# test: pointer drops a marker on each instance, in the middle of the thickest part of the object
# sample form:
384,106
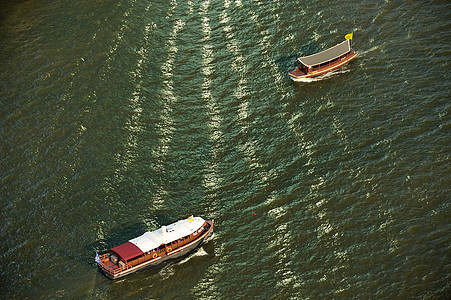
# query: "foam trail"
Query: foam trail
322,77
197,253
374,48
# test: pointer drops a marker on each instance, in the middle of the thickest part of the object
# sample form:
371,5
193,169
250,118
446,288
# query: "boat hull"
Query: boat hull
177,253
296,74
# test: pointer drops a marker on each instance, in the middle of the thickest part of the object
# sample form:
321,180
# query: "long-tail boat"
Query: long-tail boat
324,61
152,248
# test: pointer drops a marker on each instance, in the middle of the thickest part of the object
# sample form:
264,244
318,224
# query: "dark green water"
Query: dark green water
118,117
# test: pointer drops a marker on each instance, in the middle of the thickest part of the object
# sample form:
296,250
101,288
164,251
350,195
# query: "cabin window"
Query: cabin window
195,232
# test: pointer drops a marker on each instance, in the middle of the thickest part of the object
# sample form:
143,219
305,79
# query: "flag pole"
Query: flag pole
349,37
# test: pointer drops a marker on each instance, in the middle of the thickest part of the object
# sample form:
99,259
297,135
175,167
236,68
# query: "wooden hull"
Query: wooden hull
176,253
297,74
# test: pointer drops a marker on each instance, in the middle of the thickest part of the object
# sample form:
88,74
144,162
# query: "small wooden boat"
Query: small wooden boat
324,61
153,248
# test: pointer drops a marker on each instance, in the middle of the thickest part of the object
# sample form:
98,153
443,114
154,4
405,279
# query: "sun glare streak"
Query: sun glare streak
112,49
190,7
340,132
304,145
239,66
118,39
212,179
167,126
289,277
325,229
133,125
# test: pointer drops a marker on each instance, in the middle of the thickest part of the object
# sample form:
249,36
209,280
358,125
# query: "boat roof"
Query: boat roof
326,55
127,251
164,235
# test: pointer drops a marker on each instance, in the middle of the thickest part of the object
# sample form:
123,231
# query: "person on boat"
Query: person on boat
304,69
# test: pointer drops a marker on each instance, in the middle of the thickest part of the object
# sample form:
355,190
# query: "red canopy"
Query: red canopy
127,251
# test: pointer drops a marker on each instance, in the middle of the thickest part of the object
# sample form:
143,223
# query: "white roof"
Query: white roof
167,234
326,55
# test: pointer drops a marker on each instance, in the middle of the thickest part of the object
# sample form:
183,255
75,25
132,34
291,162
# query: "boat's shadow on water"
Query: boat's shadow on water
122,233
190,267
288,62
164,269
117,236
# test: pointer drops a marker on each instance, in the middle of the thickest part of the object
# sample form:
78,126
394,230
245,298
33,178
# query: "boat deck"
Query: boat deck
174,250
297,72
324,68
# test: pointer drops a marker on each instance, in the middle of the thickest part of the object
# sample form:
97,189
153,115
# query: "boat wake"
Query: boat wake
321,77
209,238
369,50
198,252
167,271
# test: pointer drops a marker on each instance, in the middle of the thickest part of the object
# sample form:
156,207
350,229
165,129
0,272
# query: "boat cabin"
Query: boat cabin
324,61
151,247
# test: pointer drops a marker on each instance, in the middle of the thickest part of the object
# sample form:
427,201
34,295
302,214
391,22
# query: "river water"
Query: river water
119,117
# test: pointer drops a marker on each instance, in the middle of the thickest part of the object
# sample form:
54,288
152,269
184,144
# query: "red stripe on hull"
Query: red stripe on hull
297,74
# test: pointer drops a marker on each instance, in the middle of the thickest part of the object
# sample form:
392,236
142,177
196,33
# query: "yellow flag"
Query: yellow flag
349,36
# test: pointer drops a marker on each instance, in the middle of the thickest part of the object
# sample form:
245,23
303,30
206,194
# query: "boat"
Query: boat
153,248
324,61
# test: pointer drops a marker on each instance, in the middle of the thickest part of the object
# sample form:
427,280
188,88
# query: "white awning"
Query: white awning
326,55
167,234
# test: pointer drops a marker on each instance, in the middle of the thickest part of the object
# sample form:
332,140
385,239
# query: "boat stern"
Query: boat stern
296,73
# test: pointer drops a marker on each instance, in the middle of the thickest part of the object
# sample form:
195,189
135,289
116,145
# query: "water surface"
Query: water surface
119,117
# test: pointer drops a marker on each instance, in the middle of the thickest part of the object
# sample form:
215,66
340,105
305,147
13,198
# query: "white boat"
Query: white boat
152,248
